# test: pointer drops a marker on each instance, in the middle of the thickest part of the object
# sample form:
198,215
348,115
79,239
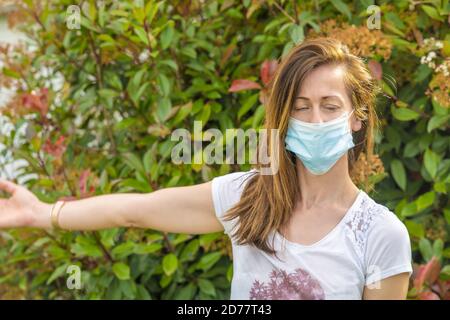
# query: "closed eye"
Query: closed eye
331,107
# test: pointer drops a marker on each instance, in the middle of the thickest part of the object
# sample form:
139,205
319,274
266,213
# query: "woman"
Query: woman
305,232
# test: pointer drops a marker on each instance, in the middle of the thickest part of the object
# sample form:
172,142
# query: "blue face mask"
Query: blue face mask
319,145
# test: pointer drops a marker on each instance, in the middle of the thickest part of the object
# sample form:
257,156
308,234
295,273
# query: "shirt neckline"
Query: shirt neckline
349,211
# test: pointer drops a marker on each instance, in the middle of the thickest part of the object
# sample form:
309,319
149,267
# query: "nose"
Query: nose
316,117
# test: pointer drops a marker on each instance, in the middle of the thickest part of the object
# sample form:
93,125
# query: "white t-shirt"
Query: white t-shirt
370,243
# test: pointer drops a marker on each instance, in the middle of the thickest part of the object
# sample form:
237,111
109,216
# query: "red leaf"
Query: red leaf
263,96
55,149
82,181
376,69
428,295
37,102
227,54
268,69
427,273
243,84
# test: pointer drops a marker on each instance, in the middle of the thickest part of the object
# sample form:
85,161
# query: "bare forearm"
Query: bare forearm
178,209
94,213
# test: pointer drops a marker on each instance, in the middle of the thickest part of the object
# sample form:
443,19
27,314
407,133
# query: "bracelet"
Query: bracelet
55,214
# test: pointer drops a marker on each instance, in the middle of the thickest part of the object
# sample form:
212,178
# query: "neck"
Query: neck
330,187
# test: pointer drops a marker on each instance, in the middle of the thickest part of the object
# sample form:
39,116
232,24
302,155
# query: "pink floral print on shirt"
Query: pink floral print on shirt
298,285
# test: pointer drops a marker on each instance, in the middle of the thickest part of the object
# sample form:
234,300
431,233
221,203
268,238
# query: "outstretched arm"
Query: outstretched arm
180,209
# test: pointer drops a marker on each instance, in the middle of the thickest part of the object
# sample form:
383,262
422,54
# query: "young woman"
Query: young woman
305,232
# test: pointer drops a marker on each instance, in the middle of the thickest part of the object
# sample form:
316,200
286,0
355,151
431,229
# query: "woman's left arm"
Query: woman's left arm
391,288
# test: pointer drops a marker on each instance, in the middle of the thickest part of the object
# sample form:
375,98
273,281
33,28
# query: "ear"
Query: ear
356,124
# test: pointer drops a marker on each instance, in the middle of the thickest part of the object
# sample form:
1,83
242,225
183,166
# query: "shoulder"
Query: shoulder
373,225
234,179
387,247
227,189
385,223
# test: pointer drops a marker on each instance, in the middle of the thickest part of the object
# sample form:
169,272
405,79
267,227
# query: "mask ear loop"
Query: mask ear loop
350,114
349,127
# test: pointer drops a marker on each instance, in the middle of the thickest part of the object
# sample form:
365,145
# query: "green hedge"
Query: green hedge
135,71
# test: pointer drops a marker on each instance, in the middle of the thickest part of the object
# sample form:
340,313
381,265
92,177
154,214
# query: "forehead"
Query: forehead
324,81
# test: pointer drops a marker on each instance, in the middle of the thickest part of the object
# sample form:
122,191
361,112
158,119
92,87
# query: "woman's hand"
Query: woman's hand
22,208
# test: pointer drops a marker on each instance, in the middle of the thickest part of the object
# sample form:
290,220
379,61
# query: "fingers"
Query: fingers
7,186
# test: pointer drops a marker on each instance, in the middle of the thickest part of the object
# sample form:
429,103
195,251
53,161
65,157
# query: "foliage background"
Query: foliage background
95,107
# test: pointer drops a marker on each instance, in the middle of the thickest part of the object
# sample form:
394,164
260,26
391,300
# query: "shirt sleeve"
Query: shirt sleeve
388,250
226,193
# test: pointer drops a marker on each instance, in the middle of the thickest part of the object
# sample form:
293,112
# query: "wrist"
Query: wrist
42,215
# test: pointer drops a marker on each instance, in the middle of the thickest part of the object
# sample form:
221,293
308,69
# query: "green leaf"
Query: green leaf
163,109
139,14
186,293
447,215
432,12
10,73
121,270
167,37
151,8
143,248
415,229
387,88
438,248
207,287
207,261
398,173
123,250
164,84
204,115
134,162
425,200
230,273
409,210
297,34
437,121
85,246
170,63
404,114
182,113
189,52
422,72
445,272
426,249
248,104
136,185
431,162
439,187
170,264
128,288
411,149
142,34
438,108
57,273
258,116
189,252
342,7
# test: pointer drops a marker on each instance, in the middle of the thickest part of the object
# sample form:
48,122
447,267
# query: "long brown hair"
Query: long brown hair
267,201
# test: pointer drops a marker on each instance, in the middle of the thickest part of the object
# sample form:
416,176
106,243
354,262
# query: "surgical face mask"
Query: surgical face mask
319,145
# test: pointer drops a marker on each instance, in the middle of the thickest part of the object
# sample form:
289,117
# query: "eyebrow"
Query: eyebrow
323,98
